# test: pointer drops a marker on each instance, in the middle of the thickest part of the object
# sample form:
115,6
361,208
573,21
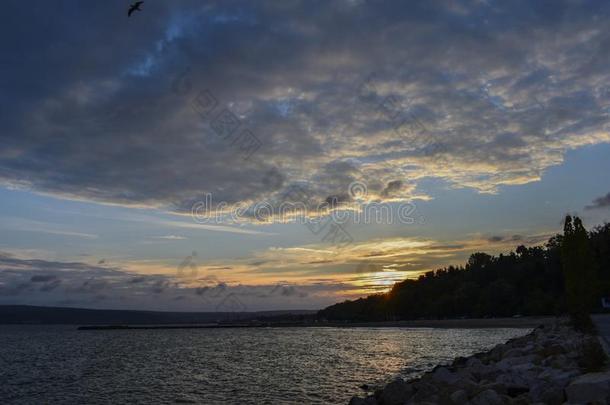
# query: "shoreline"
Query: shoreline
470,323
552,364
475,323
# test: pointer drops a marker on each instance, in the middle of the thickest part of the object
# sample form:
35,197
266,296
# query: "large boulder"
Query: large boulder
459,362
444,376
425,392
515,391
512,379
509,363
516,352
547,393
474,363
363,401
561,361
540,368
497,352
396,393
592,387
558,377
479,371
465,379
487,397
551,349
459,397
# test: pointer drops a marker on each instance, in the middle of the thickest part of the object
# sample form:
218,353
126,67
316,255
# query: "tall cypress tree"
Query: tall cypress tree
579,272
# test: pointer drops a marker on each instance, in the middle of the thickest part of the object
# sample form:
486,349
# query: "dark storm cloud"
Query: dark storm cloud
287,291
162,285
42,278
66,278
136,280
392,188
600,202
50,286
501,238
99,107
41,282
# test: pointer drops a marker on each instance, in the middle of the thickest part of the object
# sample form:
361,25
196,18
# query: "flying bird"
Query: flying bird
135,6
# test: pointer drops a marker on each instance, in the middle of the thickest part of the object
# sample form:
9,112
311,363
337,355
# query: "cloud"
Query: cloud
171,237
479,94
136,280
600,202
297,277
42,278
50,286
27,225
391,188
368,266
42,282
208,227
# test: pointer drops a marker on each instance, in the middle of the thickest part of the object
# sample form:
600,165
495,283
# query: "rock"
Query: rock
473,362
424,392
459,397
489,376
526,368
443,375
370,401
482,356
514,391
499,389
487,397
363,401
560,361
512,380
514,353
539,368
589,388
522,400
433,400
377,393
550,394
558,377
510,362
480,371
551,350
495,354
459,362
396,393
465,378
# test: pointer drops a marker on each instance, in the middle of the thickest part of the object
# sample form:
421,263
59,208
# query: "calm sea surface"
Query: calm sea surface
59,364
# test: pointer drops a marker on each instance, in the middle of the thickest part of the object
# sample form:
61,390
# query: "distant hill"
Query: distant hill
24,314
528,281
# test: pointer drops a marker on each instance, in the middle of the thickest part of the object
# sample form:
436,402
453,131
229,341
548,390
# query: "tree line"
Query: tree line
567,275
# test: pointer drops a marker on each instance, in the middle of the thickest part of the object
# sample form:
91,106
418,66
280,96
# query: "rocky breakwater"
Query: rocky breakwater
551,365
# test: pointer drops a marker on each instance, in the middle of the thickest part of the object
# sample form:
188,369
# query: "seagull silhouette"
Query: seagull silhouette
135,6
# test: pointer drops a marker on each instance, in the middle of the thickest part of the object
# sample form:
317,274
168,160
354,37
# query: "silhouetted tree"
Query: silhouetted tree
529,281
579,272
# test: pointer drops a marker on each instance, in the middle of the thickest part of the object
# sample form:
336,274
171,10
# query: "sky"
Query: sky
242,156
